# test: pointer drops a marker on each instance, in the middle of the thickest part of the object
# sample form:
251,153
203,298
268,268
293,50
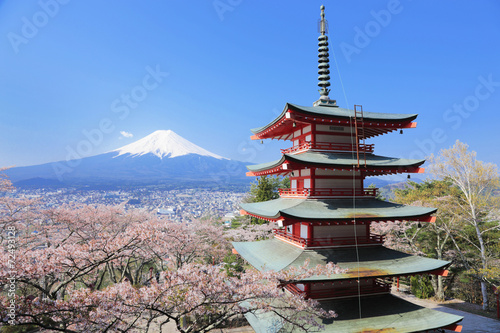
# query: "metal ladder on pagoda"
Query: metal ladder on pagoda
359,128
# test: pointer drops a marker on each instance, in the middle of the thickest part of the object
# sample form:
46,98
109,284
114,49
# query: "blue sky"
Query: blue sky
75,74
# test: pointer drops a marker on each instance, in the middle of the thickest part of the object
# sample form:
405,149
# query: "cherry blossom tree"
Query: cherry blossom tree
398,235
251,232
198,298
81,268
13,209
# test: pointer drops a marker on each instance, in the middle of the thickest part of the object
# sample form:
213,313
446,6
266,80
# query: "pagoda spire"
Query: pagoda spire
323,66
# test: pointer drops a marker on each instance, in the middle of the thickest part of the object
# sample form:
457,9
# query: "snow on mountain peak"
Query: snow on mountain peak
164,143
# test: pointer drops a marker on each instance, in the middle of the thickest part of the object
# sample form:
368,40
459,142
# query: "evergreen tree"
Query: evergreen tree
266,188
379,195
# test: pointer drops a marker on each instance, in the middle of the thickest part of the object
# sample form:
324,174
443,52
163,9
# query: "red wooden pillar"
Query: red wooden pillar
307,289
300,182
398,285
313,134
296,229
310,234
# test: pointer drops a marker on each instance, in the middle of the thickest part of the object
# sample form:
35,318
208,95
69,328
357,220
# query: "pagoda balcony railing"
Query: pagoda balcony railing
328,192
371,239
342,291
329,146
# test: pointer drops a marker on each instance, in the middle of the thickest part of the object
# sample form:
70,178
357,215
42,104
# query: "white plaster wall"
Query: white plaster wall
303,231
305,172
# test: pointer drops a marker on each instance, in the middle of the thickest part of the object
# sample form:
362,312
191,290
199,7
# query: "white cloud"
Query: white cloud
126,134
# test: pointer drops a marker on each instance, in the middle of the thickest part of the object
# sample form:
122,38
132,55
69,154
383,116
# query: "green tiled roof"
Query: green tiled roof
335,209
382,313
374,261
325,111
340,160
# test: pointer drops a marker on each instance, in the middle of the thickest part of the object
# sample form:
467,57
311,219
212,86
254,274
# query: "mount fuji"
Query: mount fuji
164,144
163,157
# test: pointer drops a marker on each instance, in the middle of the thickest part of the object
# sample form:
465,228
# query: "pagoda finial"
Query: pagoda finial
323,66
323,21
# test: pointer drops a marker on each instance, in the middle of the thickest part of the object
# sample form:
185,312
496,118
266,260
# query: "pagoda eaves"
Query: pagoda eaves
293,116
380,313
336,210
372,164
375,262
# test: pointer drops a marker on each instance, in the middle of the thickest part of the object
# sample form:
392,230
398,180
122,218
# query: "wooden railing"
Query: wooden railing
376,288
329,146
327,192
328,241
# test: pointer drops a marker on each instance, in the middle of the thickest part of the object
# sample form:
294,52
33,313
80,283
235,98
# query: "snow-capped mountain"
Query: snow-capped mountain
164,144
159,158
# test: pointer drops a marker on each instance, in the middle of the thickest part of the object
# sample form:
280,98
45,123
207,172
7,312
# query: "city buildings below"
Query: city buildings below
181,205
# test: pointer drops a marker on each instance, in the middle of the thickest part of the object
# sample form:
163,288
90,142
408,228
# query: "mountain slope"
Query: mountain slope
164,144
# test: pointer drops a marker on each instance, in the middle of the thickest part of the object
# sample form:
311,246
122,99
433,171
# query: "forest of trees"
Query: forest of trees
81,268
467,230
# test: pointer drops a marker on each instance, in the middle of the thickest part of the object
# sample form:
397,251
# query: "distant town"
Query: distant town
180,205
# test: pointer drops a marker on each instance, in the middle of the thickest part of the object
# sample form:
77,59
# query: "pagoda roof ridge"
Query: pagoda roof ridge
374,262
338,112
364,208
346,113
338,160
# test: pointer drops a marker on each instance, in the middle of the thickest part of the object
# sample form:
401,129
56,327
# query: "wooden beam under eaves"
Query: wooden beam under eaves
440,272
454,328
430,219
410,125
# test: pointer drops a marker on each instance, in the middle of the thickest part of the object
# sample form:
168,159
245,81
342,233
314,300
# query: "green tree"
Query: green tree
233,264
432,239
266,188
473,208
379,195
421,286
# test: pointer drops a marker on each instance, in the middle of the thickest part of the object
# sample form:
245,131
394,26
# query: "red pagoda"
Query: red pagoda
326,214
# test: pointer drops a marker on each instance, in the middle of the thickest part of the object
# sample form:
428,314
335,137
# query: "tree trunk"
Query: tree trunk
437,284
439,251
440,289
484,290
